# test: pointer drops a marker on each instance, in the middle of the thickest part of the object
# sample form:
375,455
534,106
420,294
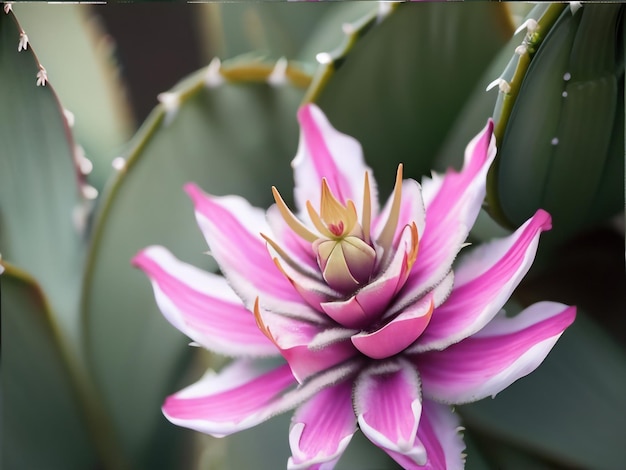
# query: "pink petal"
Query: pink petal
452,205
488,362
439,432
411,210
484,281
231,227
300,344
244,394
398,334
322,428
388,408
202,305
241,396
324,152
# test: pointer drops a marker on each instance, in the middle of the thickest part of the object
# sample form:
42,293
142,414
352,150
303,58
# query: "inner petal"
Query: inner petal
398,334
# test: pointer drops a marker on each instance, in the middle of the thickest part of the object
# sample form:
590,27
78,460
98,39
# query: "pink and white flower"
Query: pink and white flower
373,325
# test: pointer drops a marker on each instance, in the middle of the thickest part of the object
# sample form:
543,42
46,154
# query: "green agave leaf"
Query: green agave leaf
402,76
329,29
88,84
571,410
41,203
42,425
274,29
563,131
236,137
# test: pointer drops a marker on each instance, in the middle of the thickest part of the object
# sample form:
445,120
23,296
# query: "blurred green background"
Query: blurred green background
87,357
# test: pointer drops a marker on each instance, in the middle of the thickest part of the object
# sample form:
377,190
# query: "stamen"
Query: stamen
259,322
291,220
366,216
282,253
331,210
412,254
385,239
317,221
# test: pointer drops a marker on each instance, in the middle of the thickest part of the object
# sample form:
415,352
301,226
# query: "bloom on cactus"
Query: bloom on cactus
371,324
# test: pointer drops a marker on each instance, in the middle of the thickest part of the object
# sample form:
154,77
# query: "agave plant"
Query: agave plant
89,359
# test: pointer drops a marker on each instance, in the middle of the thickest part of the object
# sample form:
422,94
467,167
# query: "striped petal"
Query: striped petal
439,433
452,205
388,407
202,305
484,281
322,428
491,360
243,395
231,227
324,152
398,334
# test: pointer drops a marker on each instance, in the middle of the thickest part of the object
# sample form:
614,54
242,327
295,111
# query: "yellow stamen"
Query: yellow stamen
331,210
412,254
317,221
291,220
385,239
259,322
282,253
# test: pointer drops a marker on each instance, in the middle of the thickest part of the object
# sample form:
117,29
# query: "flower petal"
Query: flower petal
439,432
452,205
388,408
486,363
321,428
242,395
484,281
398,334
325,152
299,343
411,210
202,305
231,227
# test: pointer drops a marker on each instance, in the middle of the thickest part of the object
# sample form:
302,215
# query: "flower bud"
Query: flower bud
346,263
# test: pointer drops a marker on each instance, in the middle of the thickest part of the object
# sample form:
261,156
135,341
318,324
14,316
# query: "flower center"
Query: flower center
346,254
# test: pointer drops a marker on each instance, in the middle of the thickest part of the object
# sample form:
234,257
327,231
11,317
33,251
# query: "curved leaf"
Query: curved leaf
42,425
42,210
566,126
